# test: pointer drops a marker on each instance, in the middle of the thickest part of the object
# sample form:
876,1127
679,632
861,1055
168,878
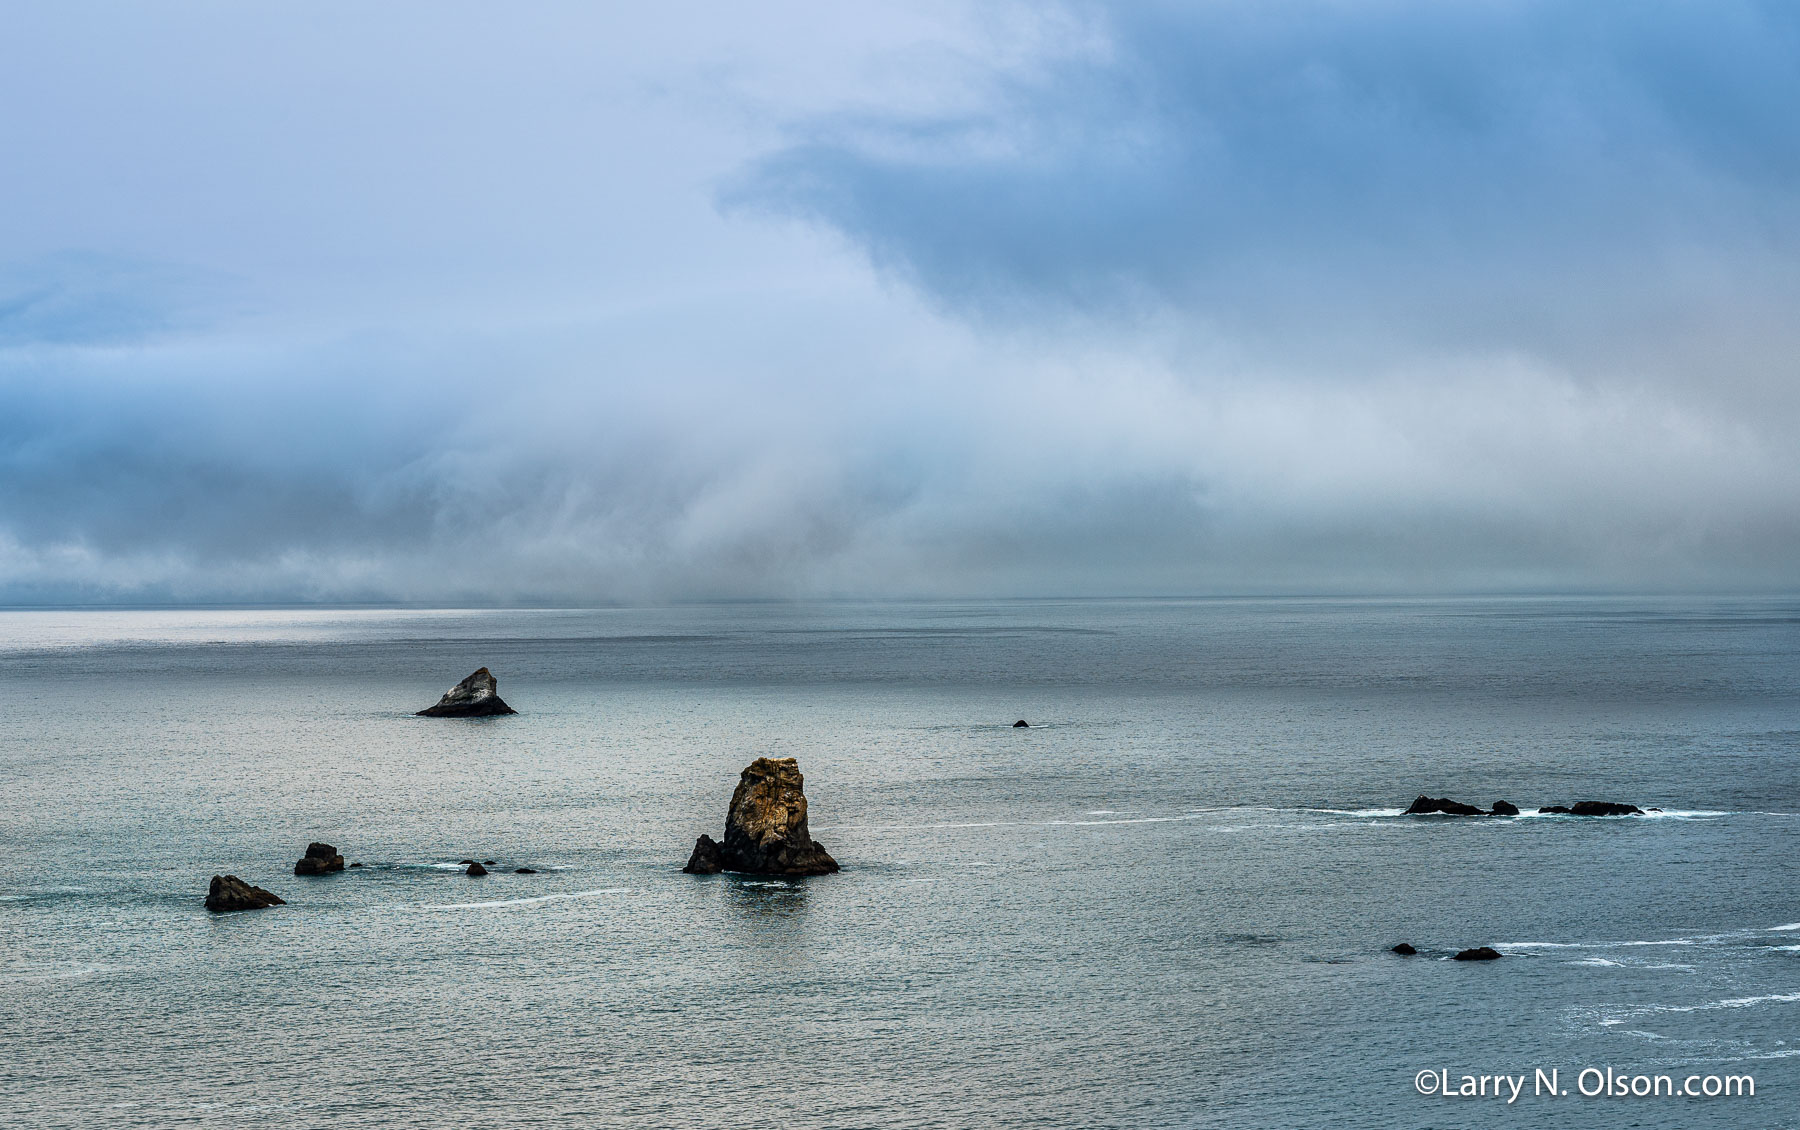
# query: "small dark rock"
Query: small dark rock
475,871
1505,808
1021,723
1404,949
1554,810
524,871
1426,806
1479,953
354,866
1604,808
228,893
707,859
466,862
489,862
477,696
319,859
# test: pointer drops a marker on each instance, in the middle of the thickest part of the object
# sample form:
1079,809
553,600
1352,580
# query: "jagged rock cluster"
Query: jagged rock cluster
477,696
765,828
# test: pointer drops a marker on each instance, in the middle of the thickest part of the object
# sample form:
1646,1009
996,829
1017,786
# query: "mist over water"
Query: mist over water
1167,902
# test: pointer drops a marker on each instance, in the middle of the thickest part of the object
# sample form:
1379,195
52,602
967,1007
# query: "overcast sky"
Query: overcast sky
468,302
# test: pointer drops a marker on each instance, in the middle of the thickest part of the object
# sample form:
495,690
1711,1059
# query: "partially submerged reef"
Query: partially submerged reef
1444,806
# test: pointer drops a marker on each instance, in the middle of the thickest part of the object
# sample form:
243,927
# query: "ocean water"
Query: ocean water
1167,903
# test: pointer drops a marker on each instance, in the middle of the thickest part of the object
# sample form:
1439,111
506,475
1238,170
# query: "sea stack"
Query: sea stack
477,696
1021,724
229,893
765,830
319,859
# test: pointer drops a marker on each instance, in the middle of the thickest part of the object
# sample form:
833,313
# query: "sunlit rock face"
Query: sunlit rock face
765,829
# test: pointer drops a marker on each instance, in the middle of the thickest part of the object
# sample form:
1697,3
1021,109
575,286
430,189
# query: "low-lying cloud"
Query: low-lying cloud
1089,300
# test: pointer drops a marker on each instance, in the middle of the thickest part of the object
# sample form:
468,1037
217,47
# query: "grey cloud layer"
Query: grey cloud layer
1233,297
1567,178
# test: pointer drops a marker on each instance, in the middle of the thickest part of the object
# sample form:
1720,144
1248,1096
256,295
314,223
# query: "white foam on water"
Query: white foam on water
1622,1015
1009,824
1095,823
1700,940
525,901
1790,928
51,974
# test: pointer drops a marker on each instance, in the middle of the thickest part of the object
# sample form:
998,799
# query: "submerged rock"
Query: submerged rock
354,866
707,859
1404,949
229,893
765,830
524,871
1021,722
475,871
1505,808
1426,806
477,696
1479,953
319,859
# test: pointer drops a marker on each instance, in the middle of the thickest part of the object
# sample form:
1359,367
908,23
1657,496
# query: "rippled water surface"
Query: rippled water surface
1167,903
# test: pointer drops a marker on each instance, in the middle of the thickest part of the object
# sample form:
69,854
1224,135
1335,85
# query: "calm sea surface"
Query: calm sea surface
1167,903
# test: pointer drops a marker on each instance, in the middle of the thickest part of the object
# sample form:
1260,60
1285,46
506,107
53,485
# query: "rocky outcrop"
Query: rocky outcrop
708,858
1479,953
1426,806
319,859
475,871
1404,949
765,829
229,893
477,696
1021,724
1505,808
1592,808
